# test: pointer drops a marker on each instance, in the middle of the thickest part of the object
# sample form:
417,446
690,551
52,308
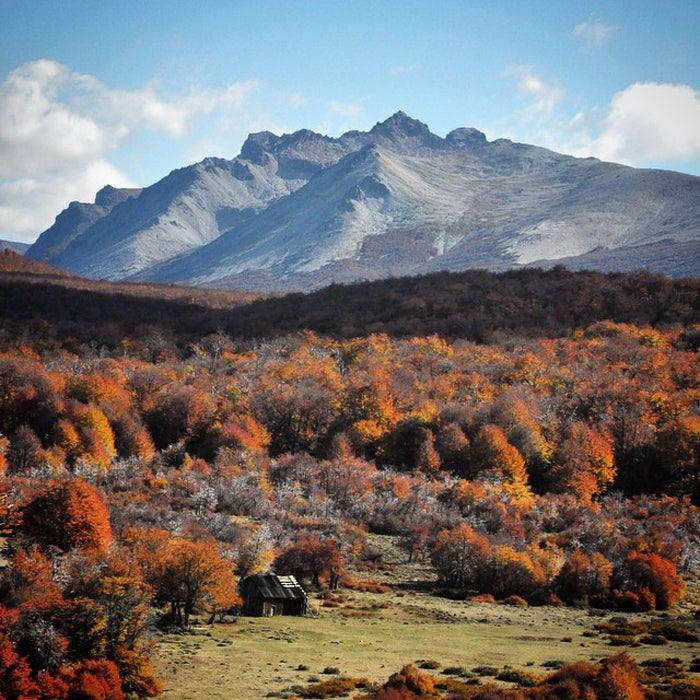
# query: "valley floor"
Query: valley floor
372,635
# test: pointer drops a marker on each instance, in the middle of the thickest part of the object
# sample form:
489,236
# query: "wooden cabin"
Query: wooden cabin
265,595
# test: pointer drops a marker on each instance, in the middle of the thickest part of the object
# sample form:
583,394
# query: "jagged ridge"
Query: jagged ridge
303,210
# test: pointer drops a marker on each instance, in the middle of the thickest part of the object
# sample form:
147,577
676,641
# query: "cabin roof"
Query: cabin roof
274,586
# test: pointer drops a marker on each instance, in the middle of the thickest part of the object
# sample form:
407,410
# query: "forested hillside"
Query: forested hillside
531,435
476,305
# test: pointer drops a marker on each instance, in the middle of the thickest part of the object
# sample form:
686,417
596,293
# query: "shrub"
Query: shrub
455,671
482,598
619,679
366,586
523,678
485,670
411,679
333,688
392,694
457,689
661,670
577,671
516,601
676,633
628,601
621,626
622,640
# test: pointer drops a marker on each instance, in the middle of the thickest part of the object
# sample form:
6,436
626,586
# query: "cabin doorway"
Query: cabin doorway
270,609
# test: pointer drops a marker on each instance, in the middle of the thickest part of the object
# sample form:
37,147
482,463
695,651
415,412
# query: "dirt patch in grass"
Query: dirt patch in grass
372,635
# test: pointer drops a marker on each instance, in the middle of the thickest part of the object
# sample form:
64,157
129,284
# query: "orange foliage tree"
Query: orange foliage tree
584,462
582,577
679,450
193,575
459,555
512,572
295,396
68,514
494,458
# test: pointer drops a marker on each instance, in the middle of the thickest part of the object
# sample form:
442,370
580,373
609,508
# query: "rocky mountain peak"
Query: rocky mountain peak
410,134
297,210
400,124
110,196
466,138
257,144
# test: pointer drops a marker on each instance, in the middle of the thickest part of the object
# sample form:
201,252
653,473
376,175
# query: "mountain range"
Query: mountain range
303,210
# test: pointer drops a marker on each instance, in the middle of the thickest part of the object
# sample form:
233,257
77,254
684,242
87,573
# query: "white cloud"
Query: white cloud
39,132
594,32
29,204
405,69
644,123
172,115
338,116
57,128
345,109
542,97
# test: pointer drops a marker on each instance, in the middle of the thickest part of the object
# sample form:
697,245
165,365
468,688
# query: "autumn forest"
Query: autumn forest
533,435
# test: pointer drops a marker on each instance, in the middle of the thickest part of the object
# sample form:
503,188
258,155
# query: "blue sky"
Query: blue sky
95,92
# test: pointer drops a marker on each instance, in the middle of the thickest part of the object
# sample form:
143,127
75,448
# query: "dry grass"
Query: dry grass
372,635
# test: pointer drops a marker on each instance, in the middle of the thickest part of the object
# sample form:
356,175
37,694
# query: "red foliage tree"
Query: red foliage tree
312,558
93,680
29,577
654,573
16,682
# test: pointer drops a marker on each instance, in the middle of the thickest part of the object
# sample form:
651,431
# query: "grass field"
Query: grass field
372,635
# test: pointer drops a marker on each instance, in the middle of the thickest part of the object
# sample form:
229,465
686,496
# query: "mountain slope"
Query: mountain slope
77,218
303,210
14,246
